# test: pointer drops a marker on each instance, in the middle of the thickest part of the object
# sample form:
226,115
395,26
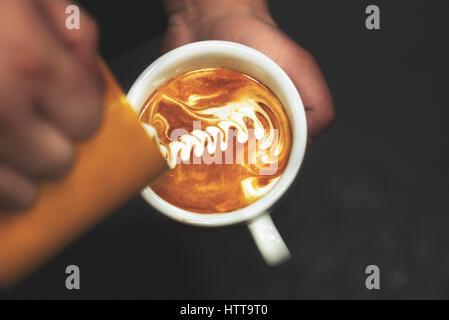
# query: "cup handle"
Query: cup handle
268,240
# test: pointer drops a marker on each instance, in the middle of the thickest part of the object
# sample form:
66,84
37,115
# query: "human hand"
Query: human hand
50,94
249,22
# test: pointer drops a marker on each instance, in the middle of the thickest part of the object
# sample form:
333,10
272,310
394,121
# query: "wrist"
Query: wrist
202,12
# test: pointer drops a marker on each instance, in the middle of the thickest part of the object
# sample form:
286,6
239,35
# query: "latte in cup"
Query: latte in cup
225,135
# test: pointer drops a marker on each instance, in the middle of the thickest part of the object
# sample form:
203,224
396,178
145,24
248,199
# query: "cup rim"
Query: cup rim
296,117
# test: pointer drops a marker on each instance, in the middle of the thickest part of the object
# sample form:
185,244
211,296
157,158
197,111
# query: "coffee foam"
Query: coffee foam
206,115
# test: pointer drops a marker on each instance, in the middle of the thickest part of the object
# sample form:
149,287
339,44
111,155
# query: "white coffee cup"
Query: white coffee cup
241,58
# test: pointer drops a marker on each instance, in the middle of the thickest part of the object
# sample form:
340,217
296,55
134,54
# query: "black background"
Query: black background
372,190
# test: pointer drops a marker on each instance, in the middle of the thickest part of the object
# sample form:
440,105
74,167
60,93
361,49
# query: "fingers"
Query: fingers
29,144
50,96
16,191
309,80
81,42
36,149
69,97
72,96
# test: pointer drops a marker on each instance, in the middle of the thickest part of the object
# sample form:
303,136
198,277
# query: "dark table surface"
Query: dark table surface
373,190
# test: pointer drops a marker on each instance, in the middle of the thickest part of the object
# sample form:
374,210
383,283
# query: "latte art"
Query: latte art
217,137
225,136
